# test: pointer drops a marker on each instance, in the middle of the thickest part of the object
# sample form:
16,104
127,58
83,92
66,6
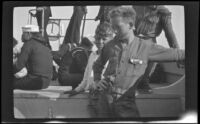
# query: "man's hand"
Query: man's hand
71,92
21,73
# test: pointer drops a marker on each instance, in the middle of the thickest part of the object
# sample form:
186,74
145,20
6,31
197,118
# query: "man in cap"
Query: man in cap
36,57
73,63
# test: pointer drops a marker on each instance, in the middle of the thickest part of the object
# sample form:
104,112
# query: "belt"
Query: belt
117,92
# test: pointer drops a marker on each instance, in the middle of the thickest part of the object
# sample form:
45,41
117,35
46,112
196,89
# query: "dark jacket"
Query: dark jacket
72,66
36,57
47,14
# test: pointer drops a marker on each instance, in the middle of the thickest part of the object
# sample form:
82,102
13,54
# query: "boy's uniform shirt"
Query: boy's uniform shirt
128,59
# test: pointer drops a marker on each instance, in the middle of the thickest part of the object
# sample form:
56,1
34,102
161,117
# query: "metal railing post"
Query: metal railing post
43,22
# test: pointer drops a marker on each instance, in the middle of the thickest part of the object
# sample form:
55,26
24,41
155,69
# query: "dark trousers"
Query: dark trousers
46,20
72,34
31,82
70,79
105,105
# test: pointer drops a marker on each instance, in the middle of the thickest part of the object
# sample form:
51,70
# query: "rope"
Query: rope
178,81
83,26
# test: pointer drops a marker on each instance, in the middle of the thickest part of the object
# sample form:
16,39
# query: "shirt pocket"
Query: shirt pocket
136,69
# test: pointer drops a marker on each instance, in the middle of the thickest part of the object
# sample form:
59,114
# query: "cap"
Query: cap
30,28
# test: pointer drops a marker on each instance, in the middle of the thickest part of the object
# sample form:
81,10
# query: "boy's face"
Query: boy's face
121,27
101,40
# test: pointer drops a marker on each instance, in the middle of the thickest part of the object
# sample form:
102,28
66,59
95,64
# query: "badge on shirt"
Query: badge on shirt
135,61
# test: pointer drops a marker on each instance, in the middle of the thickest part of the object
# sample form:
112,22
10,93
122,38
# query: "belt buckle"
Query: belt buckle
118,92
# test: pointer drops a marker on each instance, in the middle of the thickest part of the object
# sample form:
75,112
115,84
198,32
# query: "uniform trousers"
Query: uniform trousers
31,82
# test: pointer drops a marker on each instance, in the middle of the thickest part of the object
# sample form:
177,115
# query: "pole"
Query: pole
83,26
43,22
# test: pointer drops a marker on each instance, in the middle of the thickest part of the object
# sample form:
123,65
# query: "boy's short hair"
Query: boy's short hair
124,12
104,30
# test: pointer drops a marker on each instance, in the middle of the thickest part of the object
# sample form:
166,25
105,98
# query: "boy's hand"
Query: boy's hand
103,85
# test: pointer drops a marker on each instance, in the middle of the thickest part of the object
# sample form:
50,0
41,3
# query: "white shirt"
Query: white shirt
88,78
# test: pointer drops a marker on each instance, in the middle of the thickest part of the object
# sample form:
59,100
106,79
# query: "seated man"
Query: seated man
36,57
73,63
103,34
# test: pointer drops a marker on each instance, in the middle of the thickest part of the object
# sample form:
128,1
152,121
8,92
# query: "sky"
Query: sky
21,18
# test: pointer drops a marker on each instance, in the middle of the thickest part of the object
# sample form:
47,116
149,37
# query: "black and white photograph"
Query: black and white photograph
99,61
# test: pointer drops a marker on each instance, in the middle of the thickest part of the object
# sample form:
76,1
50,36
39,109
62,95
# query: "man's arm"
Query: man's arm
161,54
99,64
100,13
23,57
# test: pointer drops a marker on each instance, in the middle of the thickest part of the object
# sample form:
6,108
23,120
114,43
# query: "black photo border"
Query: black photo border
191,45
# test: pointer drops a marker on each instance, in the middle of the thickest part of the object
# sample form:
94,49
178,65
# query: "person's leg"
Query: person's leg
69,79
143,86
39,20
28,83
93,99
64,79
103,108
125,109
125,106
